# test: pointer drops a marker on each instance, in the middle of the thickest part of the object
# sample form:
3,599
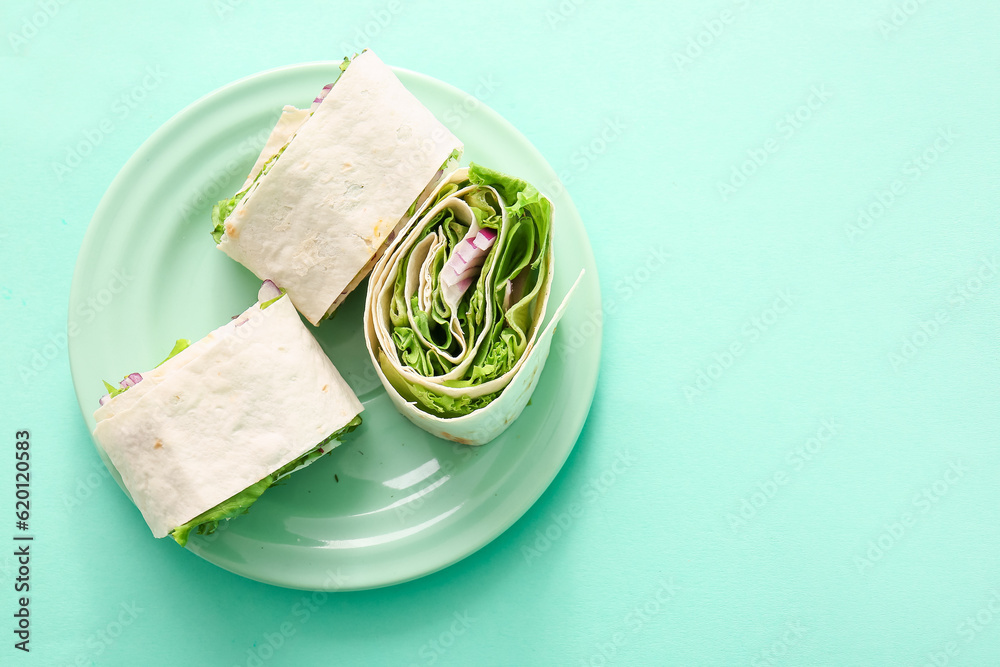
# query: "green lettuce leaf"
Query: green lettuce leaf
222,209
455,154
270,301
113,390
179,346
423,340
207,522
431,401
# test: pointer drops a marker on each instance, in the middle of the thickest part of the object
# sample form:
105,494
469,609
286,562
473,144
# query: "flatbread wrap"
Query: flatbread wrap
200,437
455,307
332,184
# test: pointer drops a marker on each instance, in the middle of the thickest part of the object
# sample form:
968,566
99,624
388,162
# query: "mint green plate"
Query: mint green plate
393,503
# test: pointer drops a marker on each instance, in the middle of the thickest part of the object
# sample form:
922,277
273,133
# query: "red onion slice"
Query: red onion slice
454,293
465,264
450,277
105,398
515,289
322,96
268,290
132,380
466,251
484,239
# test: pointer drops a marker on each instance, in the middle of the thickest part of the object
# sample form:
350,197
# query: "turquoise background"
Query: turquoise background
792,454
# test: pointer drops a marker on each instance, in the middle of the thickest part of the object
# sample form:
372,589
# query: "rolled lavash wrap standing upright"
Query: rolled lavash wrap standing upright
455,307
200,437
337,180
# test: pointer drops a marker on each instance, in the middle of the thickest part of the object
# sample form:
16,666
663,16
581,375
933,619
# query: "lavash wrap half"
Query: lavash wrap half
206,432
332,185
463,367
